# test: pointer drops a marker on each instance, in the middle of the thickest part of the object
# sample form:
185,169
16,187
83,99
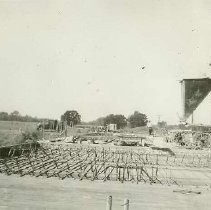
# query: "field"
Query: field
10,131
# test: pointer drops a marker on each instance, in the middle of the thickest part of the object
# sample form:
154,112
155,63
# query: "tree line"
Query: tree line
137,119
16,116
72,117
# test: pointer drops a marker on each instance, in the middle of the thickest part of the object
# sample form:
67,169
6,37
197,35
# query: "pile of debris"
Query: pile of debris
190,139
125,143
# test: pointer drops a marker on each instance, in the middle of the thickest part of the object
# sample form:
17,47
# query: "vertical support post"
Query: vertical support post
109,203
183,98
65,128
126,204
43,129
157,160
192,119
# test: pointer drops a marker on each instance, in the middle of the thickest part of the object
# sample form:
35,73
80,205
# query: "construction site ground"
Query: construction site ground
42,193
52,193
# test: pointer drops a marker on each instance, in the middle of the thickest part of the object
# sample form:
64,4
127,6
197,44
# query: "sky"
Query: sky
88,56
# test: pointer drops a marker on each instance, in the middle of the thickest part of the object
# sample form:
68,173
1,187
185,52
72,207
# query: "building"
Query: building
112,127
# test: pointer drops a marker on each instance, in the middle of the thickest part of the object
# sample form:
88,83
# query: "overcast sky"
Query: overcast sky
88,55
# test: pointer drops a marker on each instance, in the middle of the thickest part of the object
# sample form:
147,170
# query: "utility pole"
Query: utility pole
158,118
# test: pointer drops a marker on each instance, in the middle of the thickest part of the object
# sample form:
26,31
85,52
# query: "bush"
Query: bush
34,135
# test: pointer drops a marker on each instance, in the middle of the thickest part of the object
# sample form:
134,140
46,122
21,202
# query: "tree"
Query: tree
162,124
72,117
15,113
120,120
4,116
98,122
137,119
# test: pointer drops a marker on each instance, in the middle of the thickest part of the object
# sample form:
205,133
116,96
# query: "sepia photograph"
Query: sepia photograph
105,104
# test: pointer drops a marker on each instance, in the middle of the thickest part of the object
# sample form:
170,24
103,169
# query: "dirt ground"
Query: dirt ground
52,193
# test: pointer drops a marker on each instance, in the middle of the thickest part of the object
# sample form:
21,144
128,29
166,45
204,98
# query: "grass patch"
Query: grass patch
12,132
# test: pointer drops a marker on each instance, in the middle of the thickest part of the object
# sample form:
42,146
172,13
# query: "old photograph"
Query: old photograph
105,104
